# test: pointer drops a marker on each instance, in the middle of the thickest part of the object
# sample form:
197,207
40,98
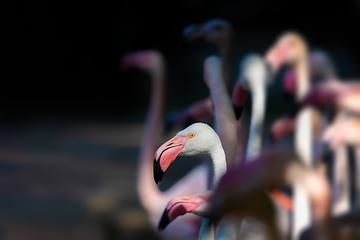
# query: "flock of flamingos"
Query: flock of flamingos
254,191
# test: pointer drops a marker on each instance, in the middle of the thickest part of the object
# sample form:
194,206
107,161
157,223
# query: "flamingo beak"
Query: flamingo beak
276,56
239,97
166,154
181,205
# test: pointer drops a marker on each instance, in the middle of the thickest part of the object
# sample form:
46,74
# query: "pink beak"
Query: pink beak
181,205
239,97
276,56
166,154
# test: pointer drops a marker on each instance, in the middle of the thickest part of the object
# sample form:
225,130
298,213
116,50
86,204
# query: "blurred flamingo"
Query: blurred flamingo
242,190
150,196
291,48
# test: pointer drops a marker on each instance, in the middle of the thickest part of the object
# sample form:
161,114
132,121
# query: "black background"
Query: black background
62,57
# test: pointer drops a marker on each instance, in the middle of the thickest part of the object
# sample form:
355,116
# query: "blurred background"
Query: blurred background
71,121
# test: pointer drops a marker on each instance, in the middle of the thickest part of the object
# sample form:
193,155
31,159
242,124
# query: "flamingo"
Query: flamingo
227,130
150,196
321,69
255,78
220,33
191,141
326,92
224,116
341,132
291,48
217,32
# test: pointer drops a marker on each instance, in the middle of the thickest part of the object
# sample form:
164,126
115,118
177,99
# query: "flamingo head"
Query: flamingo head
321,68
149,60
198,138
254,72
288,49
254,76
196,203
215,31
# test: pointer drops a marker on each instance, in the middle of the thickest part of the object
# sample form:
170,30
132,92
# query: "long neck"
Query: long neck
303,145
303,131
147,189
226,125
256,124
302,78
217,155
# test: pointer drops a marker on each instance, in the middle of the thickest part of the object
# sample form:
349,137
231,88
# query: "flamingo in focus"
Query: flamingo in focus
254,77
152,199
189,142
225,118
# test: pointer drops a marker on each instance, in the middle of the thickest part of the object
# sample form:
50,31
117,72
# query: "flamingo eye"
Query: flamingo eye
191,135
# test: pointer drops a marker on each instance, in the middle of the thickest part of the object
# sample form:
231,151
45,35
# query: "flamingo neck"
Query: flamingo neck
302,78
256,124
148,191
217,155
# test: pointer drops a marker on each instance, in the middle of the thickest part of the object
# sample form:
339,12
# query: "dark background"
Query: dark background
71,122
63,56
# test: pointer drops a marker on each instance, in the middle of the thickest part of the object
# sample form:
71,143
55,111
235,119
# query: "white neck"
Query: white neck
302,82
217,154
219,163
256,124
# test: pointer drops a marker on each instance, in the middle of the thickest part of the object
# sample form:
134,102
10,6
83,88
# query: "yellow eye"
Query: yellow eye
191,135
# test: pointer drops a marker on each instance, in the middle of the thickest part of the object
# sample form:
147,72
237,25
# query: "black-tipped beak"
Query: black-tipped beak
164,220
158,172
238,111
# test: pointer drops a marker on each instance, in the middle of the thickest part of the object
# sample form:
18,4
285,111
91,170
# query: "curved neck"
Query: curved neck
219,163
226,125
256,124
147,189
